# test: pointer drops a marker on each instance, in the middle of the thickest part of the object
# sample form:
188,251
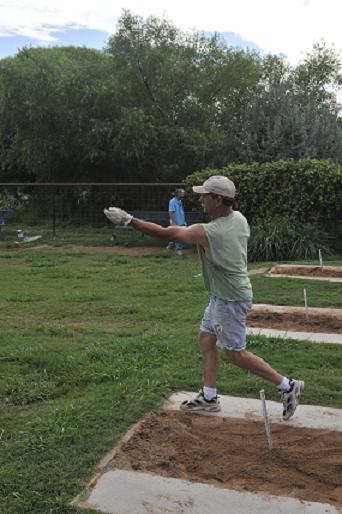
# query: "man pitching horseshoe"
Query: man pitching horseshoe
222,246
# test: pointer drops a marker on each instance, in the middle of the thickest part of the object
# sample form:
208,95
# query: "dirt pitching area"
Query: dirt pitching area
304,463
296,319
134,251
121,250
308,271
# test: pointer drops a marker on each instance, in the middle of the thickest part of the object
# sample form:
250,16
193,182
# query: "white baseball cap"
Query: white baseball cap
217,184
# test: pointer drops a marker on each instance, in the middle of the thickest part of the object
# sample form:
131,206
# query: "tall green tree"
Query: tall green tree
294,112
159,103
186,87
57,112
319,77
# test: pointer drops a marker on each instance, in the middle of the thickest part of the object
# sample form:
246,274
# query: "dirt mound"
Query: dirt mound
136,251
296,320
121,250
308,271
304,463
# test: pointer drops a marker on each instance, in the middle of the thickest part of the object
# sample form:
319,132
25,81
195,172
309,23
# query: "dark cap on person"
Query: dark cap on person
217,184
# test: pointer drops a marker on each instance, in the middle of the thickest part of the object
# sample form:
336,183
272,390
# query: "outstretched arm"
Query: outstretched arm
194,234
188,235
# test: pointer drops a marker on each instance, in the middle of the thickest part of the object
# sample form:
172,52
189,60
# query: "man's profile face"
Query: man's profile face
207,202
210,203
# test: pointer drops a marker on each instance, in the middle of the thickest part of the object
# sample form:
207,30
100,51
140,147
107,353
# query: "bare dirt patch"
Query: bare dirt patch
121,250
16,246
293,318
12,248
304,463
256,271
308,271
136,251
41,247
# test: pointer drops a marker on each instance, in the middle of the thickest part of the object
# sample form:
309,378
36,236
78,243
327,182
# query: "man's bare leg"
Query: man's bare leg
211,363
254,364
211,358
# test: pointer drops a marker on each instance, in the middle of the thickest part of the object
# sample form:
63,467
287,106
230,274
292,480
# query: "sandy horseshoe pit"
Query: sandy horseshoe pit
174,462
329,273
314,324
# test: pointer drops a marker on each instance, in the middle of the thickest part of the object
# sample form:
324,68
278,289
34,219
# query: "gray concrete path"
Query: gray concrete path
311,337
279,275
309,416
127,492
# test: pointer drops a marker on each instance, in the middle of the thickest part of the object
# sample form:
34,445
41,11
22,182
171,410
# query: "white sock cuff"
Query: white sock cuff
209,392
284,384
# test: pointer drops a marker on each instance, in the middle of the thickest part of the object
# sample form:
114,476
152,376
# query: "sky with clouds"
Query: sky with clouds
289,27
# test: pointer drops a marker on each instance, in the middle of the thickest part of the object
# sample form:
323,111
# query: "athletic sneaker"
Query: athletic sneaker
291,398
201,404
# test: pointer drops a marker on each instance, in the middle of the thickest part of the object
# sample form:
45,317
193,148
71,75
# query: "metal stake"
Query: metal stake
266,421
320,259
306,305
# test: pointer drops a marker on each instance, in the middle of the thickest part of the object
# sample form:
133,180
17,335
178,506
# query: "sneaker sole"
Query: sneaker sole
200,408
289,415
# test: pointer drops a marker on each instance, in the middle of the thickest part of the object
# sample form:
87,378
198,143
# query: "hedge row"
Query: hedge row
308,189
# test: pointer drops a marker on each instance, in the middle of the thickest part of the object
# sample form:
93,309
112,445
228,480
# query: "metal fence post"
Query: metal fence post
53,212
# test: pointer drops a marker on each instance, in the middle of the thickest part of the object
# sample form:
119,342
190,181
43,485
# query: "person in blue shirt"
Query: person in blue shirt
177,217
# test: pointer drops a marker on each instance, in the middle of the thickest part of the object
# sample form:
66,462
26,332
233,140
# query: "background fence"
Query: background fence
61,204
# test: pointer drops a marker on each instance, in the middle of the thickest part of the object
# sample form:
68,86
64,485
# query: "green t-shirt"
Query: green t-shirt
226,275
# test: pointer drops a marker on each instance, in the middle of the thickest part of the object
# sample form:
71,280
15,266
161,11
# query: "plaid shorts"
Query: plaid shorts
227,320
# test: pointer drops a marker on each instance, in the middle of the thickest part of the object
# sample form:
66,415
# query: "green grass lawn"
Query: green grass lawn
89,343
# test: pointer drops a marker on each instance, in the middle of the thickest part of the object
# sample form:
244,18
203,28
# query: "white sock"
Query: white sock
209,392
284,384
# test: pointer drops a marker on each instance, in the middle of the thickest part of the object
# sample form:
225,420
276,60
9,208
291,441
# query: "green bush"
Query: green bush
307,190
284,238
308,187
10,202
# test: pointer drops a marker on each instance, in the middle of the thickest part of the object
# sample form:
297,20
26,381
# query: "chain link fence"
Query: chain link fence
58,205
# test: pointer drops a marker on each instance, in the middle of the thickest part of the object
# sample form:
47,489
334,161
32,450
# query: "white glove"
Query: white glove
118,216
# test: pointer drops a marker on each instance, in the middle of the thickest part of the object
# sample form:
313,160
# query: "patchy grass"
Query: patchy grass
89,343
84,235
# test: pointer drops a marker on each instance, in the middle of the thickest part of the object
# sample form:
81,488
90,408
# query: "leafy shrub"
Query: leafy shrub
10,202
309,189
285,238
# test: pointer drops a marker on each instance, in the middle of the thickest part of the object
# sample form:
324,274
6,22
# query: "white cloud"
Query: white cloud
279,26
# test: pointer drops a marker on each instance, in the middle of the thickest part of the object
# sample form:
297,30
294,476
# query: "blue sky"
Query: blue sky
9,45
289,27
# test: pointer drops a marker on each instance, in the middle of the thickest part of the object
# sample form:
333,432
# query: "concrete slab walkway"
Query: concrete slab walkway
311,337
278,275
308,416
127,492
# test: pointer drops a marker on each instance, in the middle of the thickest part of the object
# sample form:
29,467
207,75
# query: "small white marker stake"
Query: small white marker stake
306,304
320,259
266,421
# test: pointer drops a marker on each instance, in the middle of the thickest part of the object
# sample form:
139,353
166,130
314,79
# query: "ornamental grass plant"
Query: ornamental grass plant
286,238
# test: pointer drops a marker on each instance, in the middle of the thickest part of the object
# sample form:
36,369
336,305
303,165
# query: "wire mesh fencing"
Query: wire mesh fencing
58,205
